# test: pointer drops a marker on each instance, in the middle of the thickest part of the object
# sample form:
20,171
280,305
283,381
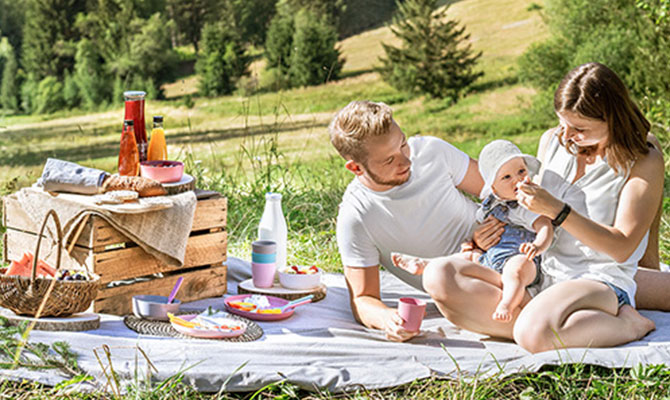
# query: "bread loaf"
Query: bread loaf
144,186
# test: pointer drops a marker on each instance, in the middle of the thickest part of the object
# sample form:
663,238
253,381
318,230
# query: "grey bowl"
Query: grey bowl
154,307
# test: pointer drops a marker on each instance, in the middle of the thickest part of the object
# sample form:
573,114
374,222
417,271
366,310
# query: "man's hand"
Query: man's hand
488,233
393,327
529,249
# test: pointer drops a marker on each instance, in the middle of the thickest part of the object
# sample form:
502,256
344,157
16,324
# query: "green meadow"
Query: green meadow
247,144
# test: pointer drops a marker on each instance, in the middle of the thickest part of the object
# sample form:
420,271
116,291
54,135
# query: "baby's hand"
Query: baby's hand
529,249
467,246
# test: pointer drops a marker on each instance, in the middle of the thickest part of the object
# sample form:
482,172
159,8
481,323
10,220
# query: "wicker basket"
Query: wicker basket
26,296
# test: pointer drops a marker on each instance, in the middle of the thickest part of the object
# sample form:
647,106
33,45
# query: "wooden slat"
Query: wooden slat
17,243
98,234
208,214
133,262
200,284
120,264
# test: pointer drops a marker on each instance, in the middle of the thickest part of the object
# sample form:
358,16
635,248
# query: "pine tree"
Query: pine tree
48,36
222,60
434,58
279,39
9,92
314,57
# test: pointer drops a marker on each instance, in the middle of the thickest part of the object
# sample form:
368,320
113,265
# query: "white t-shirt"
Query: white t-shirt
426,216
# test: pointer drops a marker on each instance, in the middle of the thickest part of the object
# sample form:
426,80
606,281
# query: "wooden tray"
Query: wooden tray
247,287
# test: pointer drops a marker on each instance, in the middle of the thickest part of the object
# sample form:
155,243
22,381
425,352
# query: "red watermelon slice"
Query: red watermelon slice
24,267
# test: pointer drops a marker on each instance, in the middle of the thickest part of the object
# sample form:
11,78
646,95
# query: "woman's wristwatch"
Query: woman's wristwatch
562,215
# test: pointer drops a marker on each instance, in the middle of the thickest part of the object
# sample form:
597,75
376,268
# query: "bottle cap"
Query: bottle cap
128,122
272,196
158,118
134,95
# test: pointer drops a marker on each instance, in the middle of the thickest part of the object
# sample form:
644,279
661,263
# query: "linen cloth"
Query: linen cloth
162,233
322,346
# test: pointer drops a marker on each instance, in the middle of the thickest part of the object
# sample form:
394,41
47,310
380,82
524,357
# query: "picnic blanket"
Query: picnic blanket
322,346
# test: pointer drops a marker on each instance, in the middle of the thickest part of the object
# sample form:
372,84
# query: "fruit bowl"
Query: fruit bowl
300,277
162,171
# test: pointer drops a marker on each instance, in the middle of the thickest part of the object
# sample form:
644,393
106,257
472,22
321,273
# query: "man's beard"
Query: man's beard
390,182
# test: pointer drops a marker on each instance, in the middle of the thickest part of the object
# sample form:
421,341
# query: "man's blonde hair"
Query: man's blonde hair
353,125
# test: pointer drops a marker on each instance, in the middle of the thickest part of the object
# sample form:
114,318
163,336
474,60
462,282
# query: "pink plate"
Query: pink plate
274,302
208,333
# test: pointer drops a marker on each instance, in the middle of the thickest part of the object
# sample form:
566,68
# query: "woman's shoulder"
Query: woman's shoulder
651,164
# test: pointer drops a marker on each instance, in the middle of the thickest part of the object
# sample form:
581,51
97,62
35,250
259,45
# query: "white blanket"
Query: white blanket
322,346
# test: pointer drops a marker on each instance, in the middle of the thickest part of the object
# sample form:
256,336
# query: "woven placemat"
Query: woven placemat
165,329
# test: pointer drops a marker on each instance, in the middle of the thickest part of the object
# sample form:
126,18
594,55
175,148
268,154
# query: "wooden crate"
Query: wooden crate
116,258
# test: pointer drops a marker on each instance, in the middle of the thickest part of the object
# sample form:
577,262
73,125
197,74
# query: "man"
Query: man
406,197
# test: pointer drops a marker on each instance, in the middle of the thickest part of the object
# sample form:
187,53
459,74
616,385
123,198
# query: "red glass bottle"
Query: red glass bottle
135,110
129,158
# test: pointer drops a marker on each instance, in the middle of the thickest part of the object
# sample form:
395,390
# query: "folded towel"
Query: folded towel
65,176
163,233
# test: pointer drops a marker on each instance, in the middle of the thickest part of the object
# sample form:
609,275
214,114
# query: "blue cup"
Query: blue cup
264,258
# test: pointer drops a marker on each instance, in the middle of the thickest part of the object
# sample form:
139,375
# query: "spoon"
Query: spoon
296,303
175,289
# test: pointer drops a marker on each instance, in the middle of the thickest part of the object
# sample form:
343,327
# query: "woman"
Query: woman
601,184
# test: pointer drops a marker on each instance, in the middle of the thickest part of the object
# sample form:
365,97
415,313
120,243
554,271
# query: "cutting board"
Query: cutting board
277,290
73,323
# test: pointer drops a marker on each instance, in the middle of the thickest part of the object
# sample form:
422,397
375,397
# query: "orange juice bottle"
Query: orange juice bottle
129,156
157,146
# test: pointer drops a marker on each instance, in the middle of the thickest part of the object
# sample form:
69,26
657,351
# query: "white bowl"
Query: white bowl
299,281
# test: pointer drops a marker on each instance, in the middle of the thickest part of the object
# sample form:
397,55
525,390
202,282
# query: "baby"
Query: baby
526,235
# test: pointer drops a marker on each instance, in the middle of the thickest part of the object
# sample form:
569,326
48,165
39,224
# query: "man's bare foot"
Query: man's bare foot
641,325
502,313
411,264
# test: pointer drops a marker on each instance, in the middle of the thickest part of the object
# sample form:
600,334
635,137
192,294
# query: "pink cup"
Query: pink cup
411,310
263,274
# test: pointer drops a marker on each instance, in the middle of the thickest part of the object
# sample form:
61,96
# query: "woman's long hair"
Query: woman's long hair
595,91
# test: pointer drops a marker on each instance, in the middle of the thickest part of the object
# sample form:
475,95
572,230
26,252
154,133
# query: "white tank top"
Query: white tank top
596,196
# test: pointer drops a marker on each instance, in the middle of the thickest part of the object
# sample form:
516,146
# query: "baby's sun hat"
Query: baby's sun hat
497,153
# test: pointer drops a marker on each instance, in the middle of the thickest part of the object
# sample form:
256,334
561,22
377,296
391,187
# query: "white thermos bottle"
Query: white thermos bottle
273,226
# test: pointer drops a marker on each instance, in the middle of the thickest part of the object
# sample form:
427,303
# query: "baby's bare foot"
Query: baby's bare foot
502,313
411,264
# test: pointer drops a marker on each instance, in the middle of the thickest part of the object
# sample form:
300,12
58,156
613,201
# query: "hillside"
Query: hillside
215,128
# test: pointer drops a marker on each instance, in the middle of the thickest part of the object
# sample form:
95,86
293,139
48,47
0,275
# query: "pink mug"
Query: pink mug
412,311
263,274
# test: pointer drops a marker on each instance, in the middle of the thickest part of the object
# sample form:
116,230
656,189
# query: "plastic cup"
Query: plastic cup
264,247
264,258
263,275
412,311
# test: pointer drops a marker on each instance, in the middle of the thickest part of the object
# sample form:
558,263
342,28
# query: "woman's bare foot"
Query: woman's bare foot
502,313
639,324
411,264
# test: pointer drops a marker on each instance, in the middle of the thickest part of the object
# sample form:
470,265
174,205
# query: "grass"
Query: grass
569,381
244,146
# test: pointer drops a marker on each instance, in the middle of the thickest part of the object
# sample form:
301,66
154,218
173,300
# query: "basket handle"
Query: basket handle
52,214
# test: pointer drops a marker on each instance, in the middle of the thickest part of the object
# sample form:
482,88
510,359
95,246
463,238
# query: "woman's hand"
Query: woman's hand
393,327
534,198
